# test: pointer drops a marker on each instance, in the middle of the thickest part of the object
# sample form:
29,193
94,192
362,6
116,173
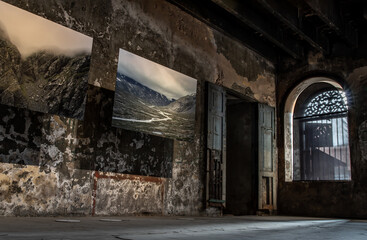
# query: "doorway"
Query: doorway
241,168
241,156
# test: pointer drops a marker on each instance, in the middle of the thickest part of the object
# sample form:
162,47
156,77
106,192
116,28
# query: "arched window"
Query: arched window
316,145
320,134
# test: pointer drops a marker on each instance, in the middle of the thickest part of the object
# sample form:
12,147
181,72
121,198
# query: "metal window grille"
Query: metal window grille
323,132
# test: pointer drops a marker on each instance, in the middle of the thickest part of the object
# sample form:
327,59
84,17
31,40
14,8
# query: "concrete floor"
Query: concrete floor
142,228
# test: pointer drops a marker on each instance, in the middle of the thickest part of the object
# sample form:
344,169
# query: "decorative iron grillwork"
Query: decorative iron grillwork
333,101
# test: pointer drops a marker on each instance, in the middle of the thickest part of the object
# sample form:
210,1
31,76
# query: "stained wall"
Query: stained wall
52,165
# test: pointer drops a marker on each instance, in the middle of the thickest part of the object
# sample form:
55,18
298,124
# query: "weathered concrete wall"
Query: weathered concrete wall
328,198
38,173
80,167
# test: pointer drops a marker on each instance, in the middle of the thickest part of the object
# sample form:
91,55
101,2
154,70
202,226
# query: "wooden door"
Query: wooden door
267,164
216,133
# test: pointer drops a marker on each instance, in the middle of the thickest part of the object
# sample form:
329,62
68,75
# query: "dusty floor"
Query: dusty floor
141,228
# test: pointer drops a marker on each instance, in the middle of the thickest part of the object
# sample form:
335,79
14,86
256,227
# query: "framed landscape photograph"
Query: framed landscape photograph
43,66
153,99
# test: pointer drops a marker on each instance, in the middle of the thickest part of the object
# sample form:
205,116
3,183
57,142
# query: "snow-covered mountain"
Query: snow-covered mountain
129,85
185,104
43,81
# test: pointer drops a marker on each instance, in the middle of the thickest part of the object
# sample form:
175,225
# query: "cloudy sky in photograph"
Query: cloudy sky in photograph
31,33
166,81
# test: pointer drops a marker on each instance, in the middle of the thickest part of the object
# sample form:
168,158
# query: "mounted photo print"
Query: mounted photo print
153,99
43,66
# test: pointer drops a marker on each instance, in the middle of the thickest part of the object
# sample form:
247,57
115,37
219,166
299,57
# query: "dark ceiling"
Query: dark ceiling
279,29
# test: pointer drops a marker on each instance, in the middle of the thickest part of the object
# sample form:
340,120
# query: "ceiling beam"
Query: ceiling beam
222,21
288,15
328,12
267,28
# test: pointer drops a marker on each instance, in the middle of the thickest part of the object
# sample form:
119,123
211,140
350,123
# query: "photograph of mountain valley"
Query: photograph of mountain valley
153,99
43,66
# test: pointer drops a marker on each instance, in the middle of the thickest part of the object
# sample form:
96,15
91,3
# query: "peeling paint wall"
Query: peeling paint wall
53,165
327,198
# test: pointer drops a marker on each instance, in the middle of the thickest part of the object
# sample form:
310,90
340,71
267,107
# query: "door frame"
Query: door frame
221,202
